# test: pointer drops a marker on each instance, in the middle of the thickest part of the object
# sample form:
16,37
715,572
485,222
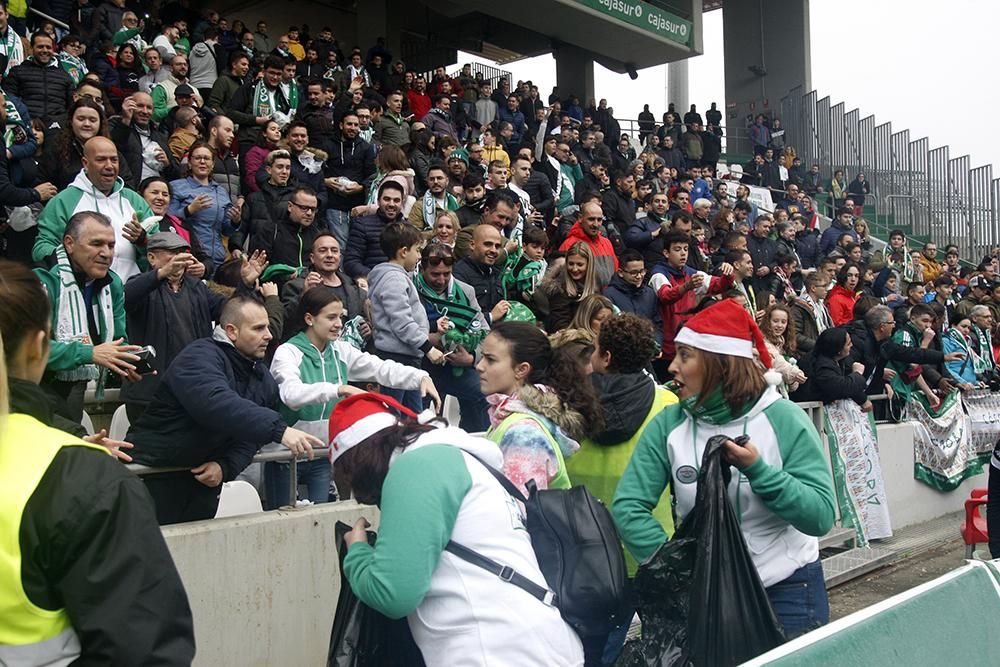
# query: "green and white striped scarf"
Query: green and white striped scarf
71,319
74,66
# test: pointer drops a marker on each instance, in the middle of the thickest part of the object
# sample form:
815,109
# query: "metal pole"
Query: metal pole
293,481
55,21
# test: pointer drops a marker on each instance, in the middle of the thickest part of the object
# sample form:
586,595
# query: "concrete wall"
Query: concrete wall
263,587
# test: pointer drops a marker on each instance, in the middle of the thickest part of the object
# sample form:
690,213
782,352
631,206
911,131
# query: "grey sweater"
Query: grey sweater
398,316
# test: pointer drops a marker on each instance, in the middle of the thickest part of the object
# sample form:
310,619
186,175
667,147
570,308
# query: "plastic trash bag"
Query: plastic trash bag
363,637
700,599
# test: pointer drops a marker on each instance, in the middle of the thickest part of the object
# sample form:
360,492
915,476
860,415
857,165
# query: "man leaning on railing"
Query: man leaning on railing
211,413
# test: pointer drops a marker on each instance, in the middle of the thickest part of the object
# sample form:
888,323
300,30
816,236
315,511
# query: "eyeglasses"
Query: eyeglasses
637,272
306,209
438,261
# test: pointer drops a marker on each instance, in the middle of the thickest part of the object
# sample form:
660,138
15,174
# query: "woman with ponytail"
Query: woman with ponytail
541,403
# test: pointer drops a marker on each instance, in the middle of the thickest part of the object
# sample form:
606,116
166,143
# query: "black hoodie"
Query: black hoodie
627,399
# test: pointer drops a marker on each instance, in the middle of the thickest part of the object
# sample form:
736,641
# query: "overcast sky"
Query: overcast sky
884,57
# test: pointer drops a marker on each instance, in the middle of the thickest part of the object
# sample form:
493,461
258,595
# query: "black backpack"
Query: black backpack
578,551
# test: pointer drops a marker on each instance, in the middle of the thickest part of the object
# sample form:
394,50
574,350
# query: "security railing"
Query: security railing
914,187
262,457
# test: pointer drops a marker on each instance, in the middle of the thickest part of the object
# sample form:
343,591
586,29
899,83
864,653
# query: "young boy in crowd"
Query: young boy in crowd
399,319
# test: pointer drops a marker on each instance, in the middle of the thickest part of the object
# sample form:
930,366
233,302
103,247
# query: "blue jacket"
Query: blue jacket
515,118
963,370
639,300
828,241
213,404
363,251
209,224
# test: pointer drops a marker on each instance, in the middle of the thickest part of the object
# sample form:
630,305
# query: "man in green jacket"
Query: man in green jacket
392,128
87,302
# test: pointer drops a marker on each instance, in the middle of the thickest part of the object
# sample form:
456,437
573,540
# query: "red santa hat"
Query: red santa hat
726,328
358,417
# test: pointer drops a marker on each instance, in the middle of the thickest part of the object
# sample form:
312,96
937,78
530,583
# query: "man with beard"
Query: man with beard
307,163
439,119
483,271
646,233
317,114
424,212
363,249
471,211
350,163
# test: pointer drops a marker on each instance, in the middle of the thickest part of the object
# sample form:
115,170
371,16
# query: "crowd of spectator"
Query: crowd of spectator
242,228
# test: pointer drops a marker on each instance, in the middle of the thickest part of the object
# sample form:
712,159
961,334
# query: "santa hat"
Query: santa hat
358,417
727,328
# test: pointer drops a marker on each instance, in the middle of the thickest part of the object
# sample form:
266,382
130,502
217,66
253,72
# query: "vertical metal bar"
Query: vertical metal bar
824,154
293,482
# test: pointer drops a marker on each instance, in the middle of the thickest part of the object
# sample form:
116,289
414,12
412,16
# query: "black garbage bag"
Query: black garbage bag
363,637
700,599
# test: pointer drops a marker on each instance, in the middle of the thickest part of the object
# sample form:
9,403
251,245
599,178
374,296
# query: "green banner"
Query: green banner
644,15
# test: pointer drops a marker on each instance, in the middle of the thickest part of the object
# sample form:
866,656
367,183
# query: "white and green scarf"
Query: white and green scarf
983,360
266,105
71,318
74,66
12,48
430,205
15,124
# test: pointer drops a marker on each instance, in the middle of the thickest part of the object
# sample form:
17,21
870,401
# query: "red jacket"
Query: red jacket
420,103
674,299
840,303
605,260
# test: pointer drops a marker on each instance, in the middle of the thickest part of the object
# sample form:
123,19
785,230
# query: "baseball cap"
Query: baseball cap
167,241
184,89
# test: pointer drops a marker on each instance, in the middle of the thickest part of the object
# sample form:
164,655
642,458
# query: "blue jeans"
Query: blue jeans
339,225
465,388
410,398
800,601
314,474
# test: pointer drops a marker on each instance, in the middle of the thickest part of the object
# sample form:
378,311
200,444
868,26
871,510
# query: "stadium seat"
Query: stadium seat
974,526
238,498
87,423
119,424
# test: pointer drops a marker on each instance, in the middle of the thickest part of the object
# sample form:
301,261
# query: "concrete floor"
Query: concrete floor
896,578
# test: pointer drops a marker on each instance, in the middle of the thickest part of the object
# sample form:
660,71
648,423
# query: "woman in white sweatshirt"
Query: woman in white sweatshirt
313,370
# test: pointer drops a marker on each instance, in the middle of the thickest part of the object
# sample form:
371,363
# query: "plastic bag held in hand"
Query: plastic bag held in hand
701,600
361,636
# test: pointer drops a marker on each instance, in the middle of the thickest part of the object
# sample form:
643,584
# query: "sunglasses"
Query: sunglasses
438,261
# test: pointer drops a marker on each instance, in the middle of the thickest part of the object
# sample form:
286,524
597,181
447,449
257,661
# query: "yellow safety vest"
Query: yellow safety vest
28,633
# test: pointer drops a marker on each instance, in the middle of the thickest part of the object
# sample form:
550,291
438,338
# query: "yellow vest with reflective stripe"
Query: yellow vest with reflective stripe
27,448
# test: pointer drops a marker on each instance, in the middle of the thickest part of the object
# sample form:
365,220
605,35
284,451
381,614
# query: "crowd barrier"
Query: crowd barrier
950,620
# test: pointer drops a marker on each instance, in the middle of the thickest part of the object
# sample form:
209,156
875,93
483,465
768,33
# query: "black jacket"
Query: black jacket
762,251
213,404
363,251
806,329
639,300
291,293
486,280
260,211
129,143
807,248
626,400
27,398
284,241
353,159
56,169
46,91
619,211
148,321
539,189
829,381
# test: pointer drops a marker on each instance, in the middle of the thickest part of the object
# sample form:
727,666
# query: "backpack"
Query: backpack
579,553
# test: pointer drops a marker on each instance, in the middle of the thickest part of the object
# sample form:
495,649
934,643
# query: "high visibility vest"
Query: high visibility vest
561,479
29,635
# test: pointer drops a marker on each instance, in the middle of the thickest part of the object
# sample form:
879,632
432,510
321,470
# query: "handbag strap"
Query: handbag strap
504,572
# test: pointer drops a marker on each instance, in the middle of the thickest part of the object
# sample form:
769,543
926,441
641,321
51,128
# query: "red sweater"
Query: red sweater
420,103
840,303
674,299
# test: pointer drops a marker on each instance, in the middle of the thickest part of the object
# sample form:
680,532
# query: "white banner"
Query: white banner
857,471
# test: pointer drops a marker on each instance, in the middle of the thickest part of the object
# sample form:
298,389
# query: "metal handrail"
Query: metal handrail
265,457
56,22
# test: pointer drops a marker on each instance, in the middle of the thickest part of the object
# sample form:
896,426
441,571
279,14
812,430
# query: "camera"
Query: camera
144,365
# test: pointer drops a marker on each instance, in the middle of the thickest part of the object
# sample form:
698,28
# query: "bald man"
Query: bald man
481,271
98,188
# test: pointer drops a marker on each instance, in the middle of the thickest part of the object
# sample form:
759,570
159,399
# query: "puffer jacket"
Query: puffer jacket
285,241
47,90
213,404
260,211
363,252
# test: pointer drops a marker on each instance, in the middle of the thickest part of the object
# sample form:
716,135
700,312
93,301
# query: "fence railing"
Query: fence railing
919,188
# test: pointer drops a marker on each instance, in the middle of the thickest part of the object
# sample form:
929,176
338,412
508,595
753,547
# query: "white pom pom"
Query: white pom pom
773,378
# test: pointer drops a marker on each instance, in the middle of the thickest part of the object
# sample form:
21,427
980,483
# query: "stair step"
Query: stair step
837,537
855,563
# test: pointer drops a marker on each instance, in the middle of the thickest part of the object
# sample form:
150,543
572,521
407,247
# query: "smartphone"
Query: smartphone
144,365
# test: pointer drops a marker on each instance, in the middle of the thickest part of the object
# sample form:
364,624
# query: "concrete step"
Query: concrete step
838,537
855,563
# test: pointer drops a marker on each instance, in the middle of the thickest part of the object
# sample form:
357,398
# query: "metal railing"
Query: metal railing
263,457
915,187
